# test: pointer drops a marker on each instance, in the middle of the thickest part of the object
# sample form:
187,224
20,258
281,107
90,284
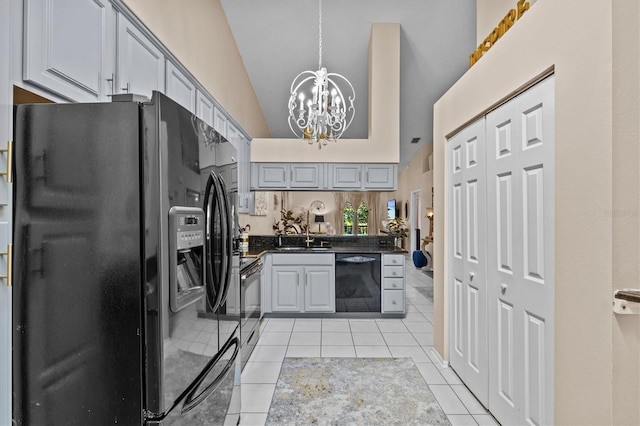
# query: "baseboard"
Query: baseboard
442,362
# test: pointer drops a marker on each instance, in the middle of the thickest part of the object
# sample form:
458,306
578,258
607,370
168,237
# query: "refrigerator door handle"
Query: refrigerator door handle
192,399
211,289
229,243
224,235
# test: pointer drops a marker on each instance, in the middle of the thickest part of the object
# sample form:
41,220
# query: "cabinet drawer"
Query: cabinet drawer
393,283
302,259
393,301
393,271
393,259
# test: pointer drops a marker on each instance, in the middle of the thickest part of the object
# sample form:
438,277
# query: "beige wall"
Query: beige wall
416,176
198,34
383,143
626,200
574,37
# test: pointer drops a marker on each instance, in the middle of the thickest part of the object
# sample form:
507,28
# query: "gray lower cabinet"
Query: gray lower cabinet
393,283
286,296
67,47
302,283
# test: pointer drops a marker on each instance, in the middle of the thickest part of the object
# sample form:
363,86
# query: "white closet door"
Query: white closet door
520,140
467,194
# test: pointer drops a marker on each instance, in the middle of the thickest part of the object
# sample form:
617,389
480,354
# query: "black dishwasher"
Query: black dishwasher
357,282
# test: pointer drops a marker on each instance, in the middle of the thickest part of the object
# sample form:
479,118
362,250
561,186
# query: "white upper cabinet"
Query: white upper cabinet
306,175
204,108
66,47
243,147
346,176
363,176
380,176
140,64
220,124
180,88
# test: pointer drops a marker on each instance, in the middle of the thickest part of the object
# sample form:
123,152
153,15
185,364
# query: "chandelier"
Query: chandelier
318,109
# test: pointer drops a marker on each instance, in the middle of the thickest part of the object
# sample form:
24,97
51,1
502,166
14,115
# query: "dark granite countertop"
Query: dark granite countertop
259,251
260,245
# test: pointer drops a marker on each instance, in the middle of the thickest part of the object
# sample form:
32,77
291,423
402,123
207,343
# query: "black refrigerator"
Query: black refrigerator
125,246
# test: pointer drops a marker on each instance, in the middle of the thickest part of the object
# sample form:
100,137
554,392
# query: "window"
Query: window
355,221
348,215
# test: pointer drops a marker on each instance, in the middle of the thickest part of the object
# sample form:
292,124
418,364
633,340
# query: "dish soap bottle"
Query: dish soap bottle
244,240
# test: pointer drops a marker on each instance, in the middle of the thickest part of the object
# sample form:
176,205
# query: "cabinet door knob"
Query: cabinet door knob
471,275
503,288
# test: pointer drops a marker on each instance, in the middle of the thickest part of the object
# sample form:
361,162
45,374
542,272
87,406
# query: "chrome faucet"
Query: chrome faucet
308,240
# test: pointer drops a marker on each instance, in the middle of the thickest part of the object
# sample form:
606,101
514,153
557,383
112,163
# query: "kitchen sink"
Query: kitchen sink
303,248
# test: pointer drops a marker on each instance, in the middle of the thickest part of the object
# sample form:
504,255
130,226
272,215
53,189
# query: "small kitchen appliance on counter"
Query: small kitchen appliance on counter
124,231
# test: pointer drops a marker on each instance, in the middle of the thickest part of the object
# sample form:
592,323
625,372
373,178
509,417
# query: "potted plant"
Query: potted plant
396,228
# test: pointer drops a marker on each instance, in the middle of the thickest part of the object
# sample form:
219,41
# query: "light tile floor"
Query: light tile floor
313,337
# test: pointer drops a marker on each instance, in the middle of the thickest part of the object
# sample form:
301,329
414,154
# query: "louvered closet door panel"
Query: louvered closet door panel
467,195
520,246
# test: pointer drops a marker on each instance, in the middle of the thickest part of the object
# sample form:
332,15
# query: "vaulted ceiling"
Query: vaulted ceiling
279,38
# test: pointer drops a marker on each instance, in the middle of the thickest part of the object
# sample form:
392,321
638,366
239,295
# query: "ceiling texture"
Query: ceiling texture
279,38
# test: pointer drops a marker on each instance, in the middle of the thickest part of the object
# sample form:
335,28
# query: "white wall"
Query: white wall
574,38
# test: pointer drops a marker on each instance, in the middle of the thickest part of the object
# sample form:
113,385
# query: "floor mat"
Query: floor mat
353,391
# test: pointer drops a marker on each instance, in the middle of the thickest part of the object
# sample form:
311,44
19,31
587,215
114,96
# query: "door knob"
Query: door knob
471,275
503,288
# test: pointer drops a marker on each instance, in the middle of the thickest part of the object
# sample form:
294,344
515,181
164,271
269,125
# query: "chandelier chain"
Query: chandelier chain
320,35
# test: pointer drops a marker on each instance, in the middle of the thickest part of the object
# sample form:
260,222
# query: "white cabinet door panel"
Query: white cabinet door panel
319,290
520,143
140,65
273,175
346,176
220,123
286,290
380,176
305,175
65,47
467,193
180,88
204,108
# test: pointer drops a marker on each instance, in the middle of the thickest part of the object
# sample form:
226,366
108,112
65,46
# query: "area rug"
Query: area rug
353,391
